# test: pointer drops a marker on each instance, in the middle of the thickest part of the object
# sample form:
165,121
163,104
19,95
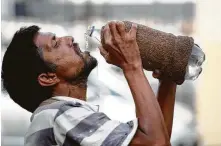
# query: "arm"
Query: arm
166,99
120,48
150,118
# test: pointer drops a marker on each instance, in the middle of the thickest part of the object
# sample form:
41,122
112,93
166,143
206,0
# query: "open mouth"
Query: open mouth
77,48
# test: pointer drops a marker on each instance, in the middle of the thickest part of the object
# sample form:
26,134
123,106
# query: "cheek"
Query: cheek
69,66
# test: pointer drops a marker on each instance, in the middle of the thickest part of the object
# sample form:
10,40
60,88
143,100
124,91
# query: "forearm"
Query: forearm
166,99
148,111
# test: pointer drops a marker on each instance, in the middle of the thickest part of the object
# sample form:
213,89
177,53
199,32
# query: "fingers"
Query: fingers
104,53
109,43
107,34
113,30
133,31
121,28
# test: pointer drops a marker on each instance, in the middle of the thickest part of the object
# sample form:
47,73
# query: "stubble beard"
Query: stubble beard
89,64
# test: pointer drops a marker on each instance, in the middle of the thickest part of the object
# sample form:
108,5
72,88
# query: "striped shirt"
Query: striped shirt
73,122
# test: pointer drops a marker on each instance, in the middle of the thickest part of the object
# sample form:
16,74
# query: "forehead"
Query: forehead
43,38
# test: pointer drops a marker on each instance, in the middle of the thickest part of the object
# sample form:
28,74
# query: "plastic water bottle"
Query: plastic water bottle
194,67
196,59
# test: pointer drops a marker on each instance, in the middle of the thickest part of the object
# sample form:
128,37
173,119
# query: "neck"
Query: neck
75,89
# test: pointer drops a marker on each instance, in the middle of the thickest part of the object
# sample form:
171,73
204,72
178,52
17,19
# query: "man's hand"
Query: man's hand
120,47
162,77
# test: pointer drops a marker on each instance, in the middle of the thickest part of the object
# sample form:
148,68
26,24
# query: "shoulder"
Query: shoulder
53,110
41,126
43,116
60,115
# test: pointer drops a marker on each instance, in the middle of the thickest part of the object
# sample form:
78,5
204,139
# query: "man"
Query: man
47,75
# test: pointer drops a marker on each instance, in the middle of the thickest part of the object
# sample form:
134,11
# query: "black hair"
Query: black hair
21,66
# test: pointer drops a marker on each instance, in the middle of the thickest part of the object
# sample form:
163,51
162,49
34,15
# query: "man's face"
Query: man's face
63,52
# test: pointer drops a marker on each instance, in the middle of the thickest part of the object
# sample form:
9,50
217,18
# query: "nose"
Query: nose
70,40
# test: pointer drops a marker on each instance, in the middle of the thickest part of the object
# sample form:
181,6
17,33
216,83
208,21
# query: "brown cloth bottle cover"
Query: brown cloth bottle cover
163,51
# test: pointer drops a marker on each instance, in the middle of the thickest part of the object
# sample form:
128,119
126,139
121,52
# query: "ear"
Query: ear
48,79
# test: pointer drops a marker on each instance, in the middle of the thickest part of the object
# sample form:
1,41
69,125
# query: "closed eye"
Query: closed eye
55,43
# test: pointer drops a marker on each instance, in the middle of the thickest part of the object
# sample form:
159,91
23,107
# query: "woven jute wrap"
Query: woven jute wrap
163,51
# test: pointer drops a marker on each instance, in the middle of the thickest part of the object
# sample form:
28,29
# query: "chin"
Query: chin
90,63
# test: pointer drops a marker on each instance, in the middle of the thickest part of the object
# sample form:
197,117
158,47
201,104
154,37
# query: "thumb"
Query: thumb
133,30
104,53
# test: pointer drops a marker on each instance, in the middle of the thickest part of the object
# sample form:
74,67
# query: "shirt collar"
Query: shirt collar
66,98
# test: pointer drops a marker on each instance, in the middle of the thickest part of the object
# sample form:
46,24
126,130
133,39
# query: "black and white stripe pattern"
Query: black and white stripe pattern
69,122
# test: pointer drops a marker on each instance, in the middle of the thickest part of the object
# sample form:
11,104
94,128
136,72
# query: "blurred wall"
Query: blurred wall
6,8
209,87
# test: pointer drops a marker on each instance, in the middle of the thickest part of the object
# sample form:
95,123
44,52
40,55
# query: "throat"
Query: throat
76,90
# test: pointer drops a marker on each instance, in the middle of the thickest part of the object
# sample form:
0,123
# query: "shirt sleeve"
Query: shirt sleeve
83,126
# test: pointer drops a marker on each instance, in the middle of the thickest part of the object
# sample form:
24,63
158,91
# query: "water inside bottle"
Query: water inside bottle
195,62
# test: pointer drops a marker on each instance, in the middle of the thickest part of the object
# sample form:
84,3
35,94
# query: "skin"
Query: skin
166,99
72,65
120,49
